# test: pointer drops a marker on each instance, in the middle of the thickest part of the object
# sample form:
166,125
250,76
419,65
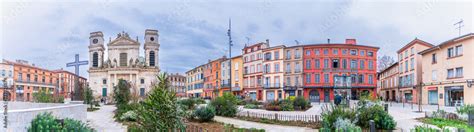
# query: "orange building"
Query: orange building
212,78
29,79
67,84
347,69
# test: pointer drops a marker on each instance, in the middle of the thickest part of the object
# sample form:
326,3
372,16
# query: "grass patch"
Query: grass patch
441,123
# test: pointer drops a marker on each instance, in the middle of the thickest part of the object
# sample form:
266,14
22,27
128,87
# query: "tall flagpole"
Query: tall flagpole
230,55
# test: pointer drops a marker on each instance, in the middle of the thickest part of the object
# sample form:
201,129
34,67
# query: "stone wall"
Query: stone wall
20,114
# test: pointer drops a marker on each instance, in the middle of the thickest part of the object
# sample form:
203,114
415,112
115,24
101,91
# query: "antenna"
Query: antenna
459,24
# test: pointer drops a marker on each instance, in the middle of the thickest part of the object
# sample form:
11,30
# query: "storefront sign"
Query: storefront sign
432,88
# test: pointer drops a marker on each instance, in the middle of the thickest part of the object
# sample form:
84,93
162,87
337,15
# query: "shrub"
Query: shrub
199,101
204,114
188,104
251,106
331,113
344,124
47,122
300,103
159,110
225,105
286,105
382,119
272,105
129,116
42,96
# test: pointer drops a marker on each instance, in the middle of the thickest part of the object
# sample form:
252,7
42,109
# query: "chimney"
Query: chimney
351,41
329,41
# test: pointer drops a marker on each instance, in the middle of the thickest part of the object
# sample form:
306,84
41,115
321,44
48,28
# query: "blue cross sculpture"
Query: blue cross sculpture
76,93
76,64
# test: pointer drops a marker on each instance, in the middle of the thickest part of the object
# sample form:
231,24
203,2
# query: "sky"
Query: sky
49,33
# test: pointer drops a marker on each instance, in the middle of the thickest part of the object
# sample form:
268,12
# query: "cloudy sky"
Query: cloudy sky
49,33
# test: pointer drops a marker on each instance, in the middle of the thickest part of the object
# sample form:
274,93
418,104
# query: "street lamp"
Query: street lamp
7,84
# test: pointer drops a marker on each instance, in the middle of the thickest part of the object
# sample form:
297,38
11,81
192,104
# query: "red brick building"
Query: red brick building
347,69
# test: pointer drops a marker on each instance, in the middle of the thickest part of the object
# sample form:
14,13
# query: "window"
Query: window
277,67
400,57
335,63
433,58
344,64
297,80
259,68
412,50
450,52
277,55
316,78
344,51
317,64
370,54
266,68
459,72
353,64
353,52
288,81
308,64
288,54
353,78
95,59
326,63
459,50
406,65
152,58
308,78
326,78
371,65
335,51
412,64
3,73
371,81
142,81
268,56
400,67
362,64
297,54
288,68
297,67
362,53
361,78
308,52
20,76
326,51
123,59
406,53
433,75
450,73
316,51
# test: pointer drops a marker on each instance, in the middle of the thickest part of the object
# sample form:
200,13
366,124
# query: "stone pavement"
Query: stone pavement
103,120
267,127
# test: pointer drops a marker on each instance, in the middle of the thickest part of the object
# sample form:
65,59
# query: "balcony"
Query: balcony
225,85
272,85
236,88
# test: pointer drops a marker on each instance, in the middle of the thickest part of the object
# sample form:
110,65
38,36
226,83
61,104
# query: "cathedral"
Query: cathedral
123,61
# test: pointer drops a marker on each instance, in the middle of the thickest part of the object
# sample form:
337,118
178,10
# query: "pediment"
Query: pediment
123,39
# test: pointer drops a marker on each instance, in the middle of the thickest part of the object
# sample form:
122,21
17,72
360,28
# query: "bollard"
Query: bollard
372,125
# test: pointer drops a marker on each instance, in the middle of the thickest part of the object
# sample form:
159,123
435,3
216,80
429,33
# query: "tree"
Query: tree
42,96
88,98
122,93
384,62
160,109
225,105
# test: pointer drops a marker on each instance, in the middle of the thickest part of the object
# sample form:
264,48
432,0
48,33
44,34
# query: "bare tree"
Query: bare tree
384,62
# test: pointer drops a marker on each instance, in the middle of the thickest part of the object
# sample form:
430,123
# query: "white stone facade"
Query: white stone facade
123,62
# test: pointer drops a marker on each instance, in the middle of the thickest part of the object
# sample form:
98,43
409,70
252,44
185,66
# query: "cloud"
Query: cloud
191,32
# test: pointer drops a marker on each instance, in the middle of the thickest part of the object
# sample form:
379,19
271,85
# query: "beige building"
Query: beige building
253,75
177,83
237,75
388,83
448,72
410,70
293,71
122,61
6,74
195,81
273,73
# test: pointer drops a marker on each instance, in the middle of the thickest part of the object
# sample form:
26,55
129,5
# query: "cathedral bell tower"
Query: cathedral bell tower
96,49
152,46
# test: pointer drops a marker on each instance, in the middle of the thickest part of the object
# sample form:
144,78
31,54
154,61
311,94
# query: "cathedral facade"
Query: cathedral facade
122,61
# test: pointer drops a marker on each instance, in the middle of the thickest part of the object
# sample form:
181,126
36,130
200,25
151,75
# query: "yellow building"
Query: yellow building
237,75
448,72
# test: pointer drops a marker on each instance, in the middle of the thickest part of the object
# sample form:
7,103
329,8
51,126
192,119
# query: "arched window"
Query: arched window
95,59
152,58
123,59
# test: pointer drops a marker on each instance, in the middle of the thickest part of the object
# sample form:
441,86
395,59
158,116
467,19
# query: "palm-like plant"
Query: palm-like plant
160,110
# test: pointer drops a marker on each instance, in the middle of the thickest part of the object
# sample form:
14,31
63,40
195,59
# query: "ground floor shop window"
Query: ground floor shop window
454,95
